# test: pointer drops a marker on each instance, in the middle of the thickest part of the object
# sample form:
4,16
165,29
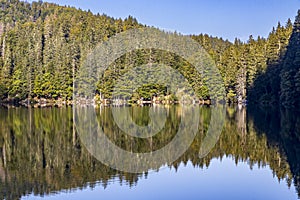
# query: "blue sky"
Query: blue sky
222,18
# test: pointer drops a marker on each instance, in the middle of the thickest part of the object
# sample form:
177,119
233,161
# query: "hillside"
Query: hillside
43,45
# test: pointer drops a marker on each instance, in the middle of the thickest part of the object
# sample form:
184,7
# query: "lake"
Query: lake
50,153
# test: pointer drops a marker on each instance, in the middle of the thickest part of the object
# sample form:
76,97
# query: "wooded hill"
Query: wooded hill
43,45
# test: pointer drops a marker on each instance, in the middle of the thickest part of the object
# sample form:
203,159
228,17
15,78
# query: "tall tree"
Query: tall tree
289,96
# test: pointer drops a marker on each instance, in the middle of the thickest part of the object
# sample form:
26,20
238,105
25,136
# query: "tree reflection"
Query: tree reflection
42,153
282,129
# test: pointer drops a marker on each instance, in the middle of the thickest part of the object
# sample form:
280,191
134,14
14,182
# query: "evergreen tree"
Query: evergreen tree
42,46
289,96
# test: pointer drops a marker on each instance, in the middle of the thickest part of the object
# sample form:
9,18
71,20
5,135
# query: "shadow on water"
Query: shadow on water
41,153
282,129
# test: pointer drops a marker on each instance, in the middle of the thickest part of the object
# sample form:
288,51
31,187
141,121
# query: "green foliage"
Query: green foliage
266,87
231,96
289,85
42,46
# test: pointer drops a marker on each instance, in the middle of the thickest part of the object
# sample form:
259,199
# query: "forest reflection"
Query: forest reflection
41,151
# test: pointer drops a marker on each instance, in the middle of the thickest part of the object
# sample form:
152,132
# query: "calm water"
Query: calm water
257,156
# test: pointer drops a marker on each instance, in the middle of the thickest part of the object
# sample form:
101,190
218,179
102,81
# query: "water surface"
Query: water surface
255,157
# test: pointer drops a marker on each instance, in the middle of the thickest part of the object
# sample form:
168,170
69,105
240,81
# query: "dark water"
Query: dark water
257,156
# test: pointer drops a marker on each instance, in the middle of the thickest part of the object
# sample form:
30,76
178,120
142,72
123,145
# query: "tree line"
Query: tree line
42,46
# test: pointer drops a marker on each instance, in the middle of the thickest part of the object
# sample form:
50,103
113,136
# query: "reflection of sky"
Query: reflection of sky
221,180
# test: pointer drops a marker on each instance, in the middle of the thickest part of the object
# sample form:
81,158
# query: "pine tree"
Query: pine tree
289,77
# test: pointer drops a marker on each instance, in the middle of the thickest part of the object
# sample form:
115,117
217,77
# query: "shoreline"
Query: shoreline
46,103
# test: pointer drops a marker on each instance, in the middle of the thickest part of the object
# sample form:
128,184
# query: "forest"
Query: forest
43,45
